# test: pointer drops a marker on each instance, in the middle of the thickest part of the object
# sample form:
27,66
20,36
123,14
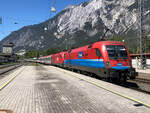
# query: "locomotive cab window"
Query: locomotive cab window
98,52
117,52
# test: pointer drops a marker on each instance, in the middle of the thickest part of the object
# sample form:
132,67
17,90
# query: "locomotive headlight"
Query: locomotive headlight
103,48
108,64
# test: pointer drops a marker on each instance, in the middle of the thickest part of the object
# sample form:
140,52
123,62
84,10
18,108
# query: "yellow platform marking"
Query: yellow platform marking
7,82
112,91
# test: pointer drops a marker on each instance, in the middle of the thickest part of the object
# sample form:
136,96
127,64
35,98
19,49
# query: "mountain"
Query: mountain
82,24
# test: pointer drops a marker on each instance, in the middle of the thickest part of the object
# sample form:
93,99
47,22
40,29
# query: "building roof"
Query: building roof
8,45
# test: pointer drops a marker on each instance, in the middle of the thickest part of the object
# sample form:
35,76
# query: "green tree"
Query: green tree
116,38
31,54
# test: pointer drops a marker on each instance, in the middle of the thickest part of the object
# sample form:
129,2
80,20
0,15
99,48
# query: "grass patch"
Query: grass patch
35,64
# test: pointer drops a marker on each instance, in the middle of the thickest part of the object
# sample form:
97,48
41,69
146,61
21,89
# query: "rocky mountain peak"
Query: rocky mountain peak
81,24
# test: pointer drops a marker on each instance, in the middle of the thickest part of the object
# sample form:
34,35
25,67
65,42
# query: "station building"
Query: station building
7,53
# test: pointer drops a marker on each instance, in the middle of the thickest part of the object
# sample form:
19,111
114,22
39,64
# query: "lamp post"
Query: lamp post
53,9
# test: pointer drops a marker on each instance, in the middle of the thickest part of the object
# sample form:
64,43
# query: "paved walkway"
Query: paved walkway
47,89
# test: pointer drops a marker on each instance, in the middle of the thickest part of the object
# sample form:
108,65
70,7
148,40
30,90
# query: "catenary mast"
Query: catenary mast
141,62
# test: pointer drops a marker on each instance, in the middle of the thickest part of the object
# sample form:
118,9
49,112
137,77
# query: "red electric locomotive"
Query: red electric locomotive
61,60
107,59
58,59
55,59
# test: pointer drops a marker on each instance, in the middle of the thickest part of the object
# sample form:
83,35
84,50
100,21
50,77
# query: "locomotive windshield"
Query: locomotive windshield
116,52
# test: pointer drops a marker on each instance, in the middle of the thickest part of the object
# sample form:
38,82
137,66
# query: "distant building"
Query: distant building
7,54
8,48
21,52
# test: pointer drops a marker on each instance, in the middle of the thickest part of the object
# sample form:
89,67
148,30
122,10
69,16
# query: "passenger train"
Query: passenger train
107,59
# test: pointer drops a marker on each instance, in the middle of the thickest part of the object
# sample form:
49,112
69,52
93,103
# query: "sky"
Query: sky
18,13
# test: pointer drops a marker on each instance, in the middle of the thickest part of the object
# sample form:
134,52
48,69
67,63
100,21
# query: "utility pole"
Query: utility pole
0,20
141,61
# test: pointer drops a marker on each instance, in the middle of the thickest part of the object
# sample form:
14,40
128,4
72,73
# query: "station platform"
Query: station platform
48,89
144,71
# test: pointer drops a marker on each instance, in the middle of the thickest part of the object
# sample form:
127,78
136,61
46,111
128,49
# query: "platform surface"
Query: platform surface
48,89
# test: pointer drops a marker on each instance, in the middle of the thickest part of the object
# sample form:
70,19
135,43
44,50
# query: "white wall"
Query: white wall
134,63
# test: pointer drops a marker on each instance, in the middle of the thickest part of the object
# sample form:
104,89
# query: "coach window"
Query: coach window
98,53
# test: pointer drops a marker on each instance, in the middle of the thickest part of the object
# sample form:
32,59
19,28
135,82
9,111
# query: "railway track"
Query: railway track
8,67
142,80
138,84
